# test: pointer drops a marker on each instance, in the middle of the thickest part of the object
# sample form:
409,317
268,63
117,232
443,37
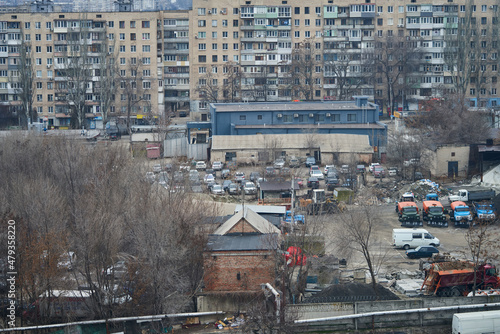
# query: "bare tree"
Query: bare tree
133,93
107,85
208,87
231,88
77,71
450,121
481,240
311,140
349,71
355,234
306,68
25,83
394,60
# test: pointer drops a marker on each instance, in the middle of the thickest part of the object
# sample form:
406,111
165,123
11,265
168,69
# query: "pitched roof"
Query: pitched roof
258,223
242,242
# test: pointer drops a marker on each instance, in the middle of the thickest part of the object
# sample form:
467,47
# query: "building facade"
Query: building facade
396,53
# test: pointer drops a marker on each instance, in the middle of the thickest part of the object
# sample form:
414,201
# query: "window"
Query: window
214,23
122,37
39,97
122,24
133,48
202,34
235,23
49,48
122,48
243,117
38,49
38,85
202,46
224,34
296,23
201,11
145,24
235,34
50,97
224,46
202,59
202,23
214,58
297,34
351,117
214,34
27,25
146,60
146,48
37,25
38,37
122,61
146,36
235,46
146,85
202,70
111,24
133,36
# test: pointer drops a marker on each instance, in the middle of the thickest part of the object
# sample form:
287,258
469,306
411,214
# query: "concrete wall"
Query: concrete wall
312,311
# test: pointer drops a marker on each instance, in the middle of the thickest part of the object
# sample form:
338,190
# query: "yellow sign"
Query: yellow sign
140,116
397,114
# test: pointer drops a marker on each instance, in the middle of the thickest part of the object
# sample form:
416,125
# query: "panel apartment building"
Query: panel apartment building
275,50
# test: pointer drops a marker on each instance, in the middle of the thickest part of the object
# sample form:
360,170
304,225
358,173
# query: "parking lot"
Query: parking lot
391,260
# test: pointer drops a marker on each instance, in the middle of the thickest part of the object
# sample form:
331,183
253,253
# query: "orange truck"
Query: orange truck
433,213
456,278
408,214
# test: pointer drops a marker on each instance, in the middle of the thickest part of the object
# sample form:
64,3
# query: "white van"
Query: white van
412,238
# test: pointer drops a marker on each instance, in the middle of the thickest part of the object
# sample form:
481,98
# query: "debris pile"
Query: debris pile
233,322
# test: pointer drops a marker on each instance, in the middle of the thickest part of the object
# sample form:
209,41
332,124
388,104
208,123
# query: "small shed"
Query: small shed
277,193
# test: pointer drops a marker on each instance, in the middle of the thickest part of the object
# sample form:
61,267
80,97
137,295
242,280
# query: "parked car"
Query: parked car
194,175
249,188
345,169
254,176
234,189
217,165
178,177
279,163
360,168
239,177
157,168
209,178
331,183
225,185
201,165
270,171
392,171
310,161
372,166
408,163
316,173
225,174
328,169
313,182
211,171
285,171
217,189
294,162
421,252
379,171
196,187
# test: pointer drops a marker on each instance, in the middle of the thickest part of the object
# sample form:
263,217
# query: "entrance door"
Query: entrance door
452,169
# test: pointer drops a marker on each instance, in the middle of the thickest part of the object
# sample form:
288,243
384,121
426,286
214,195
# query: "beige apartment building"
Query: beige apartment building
396,53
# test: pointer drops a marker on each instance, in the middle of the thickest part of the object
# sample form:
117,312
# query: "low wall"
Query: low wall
437,318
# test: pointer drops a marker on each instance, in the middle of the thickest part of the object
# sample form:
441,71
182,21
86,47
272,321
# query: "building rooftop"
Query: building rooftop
242,242
292,106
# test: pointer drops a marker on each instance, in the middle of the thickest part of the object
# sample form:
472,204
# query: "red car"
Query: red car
379,171
299,182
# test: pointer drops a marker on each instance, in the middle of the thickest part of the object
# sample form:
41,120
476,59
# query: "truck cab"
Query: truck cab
408,214
433,213
484,211
460,214
406,197
432,197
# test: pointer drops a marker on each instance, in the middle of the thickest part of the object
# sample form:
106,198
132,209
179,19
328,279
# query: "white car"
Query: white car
372,166
201,165
279,163
217,189
328,168
157,168
317,174
217,165
250,188
208,179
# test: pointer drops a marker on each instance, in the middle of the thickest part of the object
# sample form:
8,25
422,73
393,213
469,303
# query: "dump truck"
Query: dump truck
484,211
408,214
406,197
473,195
460,214
456,278
433,213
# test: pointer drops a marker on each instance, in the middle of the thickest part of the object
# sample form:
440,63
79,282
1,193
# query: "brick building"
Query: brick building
240,256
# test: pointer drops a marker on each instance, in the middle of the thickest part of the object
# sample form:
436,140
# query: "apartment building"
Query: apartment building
124,44
253,50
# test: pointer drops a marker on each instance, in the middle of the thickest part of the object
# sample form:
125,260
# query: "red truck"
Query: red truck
456,278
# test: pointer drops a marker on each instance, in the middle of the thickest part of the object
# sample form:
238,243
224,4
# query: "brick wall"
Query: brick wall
238,271
242,227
